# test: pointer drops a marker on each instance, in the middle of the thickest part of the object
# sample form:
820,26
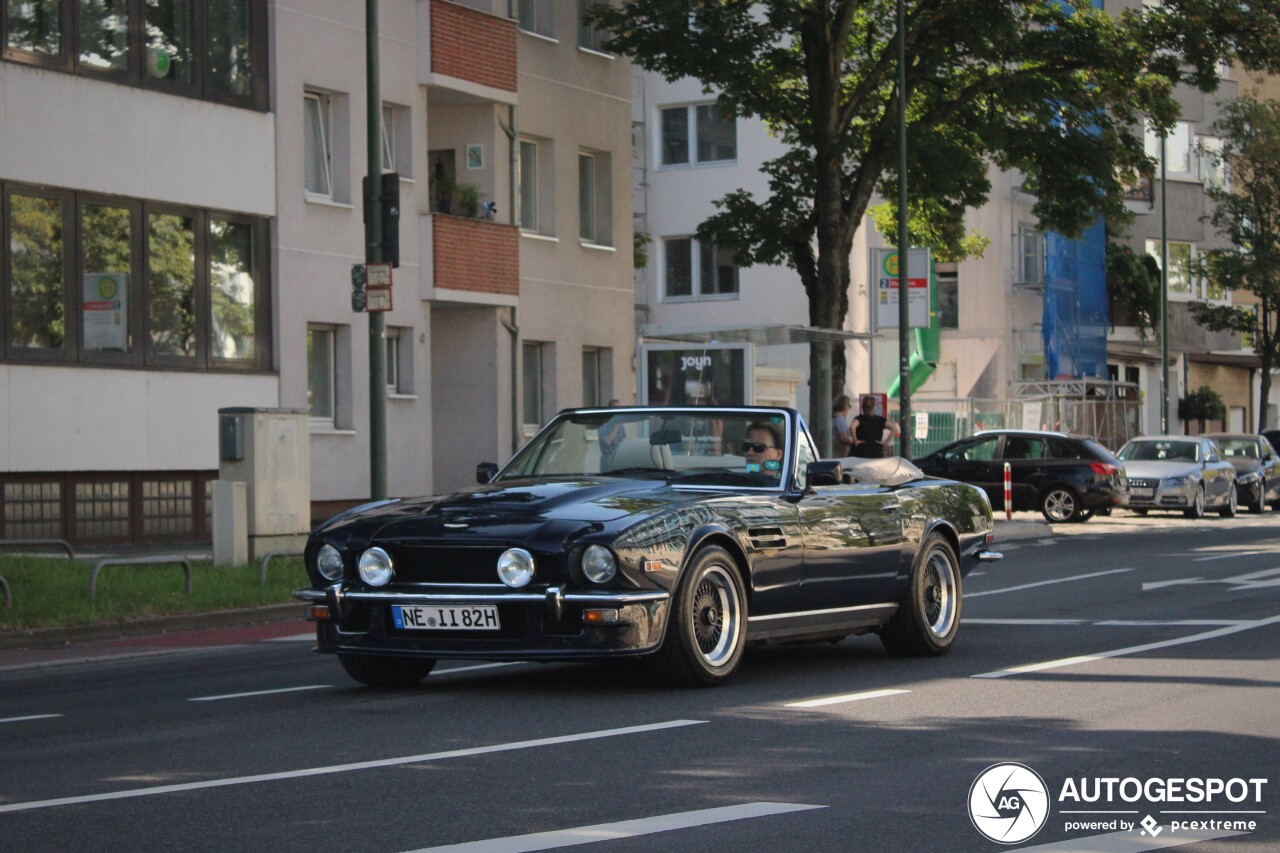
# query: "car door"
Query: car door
1270,469
1025,455
1219,475
975,462
852,545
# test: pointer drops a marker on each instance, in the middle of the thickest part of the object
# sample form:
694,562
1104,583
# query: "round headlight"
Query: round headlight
598,564
375,567
329,563
515,567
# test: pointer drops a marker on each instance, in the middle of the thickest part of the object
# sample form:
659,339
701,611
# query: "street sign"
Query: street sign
884,278
357,277
378,297
378,275
357,301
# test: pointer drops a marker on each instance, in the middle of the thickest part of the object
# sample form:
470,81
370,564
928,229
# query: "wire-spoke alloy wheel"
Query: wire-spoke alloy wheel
1060,504
707,626
929,618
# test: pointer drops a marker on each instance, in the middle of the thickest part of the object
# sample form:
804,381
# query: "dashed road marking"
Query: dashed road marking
848,697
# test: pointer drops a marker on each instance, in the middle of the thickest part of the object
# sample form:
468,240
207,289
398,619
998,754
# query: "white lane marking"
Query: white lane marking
620,829
1228,556
344,768
259,693
969,621
30,717
848,697
1046,583
1130,650
292,638
478,666
1168,623
1129,842
1252,580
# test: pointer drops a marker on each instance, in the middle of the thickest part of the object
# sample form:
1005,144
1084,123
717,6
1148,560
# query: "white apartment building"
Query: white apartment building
181,185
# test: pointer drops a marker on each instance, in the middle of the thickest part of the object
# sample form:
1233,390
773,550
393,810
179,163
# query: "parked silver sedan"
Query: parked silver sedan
1176,472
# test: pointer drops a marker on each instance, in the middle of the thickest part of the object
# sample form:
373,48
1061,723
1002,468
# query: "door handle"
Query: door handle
889,508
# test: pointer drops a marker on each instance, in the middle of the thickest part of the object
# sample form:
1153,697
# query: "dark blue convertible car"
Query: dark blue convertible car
679,536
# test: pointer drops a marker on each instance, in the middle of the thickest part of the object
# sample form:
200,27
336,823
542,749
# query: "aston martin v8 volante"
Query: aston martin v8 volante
679,536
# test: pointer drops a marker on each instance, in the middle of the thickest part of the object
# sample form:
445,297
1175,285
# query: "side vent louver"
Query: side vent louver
766,537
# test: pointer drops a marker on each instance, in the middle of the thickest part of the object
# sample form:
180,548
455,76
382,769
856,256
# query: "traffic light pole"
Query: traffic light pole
904,247
373,255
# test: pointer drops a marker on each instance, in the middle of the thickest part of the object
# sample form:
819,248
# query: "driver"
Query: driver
762,447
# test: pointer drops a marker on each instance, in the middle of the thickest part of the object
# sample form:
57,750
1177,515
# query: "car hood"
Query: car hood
1245,465
513,509
1154,470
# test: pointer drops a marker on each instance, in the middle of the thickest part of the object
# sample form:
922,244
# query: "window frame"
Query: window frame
139,352
698,293
134,72
538,398
540,9
589,38
588,213
691,160
1198,287
532,228
329,421
324,111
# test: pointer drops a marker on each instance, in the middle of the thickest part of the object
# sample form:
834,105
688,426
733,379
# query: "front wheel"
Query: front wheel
707,627
928,619
1196,510
386,672
1229,511
1059,504
1257,500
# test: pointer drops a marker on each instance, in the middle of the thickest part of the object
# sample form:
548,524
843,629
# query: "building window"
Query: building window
715,275
321,374
595,199
111,280
318,155
214,50
1178,149
587,197
1183,282
1029,260
532,379
399,353
397,142
1210,164
592,392
528,185
697,134
535,16
948,298
589,37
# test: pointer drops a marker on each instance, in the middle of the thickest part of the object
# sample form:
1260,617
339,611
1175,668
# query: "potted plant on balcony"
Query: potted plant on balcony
466,199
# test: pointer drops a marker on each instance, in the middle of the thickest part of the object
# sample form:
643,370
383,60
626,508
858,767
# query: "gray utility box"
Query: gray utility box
269,451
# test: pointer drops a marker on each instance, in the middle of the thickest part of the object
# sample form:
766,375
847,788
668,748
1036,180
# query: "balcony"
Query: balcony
471,56
469,261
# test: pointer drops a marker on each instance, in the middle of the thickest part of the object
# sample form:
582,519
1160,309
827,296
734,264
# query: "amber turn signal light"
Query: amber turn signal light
600,617
318,613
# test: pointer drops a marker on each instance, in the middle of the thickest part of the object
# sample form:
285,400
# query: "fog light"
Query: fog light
600,617
375,567
515,567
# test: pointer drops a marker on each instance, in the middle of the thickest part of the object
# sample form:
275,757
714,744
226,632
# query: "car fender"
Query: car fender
721,535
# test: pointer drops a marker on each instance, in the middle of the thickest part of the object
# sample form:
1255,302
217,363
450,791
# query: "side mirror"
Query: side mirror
824,472
1213,459
485,472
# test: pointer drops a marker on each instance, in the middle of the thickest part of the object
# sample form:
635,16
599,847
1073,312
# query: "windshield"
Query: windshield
1239,448
1159,451
712,448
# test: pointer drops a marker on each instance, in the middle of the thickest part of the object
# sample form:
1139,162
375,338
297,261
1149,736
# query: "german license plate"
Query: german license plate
1142,493
476,617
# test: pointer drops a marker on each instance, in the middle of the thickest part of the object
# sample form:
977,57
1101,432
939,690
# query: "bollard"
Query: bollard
1008,493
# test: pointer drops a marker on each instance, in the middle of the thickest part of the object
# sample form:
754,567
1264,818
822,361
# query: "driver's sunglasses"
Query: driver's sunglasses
757,447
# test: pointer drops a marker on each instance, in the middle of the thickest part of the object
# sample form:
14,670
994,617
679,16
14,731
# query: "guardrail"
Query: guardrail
56,543
135,561
267,557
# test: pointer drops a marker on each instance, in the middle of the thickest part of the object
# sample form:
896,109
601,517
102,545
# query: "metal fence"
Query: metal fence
1111,420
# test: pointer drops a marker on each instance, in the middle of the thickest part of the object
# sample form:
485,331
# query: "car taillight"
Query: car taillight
1103,469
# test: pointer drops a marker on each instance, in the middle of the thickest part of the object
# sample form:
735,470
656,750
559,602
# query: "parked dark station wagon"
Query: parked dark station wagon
675,535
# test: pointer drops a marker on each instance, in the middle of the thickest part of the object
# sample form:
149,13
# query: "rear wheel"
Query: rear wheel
1060,504
707,627
1257,499
1196,510
376,671
929,617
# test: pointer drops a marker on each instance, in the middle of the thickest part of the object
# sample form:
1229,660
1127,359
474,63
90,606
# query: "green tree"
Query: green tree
1248,214
1202,404
1055,89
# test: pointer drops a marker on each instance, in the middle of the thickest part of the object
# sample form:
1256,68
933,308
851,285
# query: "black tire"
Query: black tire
1196,510
928,618
1086,514
1258,503
386,672
1060,504
1229,511
707,626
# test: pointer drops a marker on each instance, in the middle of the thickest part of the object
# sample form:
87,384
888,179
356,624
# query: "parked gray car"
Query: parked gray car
1177,472
1257,468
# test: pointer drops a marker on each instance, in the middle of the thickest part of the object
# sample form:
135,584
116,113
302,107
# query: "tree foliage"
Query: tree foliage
1133,283
1056,89
1202,404
1248,214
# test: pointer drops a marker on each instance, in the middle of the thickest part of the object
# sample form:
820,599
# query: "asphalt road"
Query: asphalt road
1125,649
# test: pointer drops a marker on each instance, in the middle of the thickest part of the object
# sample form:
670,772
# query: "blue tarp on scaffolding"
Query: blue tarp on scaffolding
1076,319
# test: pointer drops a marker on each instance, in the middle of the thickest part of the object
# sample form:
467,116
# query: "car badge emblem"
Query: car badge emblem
453,526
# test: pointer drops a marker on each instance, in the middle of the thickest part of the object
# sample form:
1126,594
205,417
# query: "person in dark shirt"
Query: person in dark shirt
870,432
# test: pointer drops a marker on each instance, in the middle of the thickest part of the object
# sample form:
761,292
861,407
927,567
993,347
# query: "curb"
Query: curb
1020,530
51,637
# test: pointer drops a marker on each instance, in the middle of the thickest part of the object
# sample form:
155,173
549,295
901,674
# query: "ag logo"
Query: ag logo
1008,803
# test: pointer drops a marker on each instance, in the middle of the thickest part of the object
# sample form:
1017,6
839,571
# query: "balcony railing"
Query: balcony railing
471,256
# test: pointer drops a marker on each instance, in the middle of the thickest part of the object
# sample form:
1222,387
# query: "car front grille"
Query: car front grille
449,564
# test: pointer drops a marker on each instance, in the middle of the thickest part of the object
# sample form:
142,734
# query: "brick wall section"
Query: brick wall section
476,255
473,46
